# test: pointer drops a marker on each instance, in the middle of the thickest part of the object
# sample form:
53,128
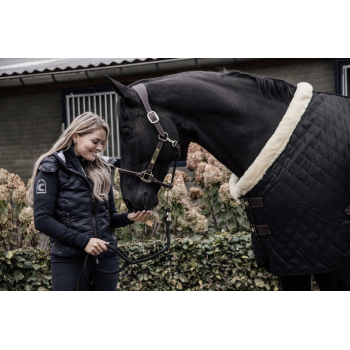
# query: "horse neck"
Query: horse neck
233,124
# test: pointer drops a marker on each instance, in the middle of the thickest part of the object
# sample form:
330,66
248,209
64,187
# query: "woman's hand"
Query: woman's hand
140,216
96,246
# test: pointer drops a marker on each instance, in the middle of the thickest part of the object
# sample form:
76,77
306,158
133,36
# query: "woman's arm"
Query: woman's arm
45,193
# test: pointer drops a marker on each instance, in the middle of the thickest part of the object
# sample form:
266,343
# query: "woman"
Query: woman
74,205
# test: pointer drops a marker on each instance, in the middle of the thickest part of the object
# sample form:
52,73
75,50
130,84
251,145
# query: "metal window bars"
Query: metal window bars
345,80
103,104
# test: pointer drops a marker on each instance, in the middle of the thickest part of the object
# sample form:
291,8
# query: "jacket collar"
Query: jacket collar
275,145
70,160
62,154
74,160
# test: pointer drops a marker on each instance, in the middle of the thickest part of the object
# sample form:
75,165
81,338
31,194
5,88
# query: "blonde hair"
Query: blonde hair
99,171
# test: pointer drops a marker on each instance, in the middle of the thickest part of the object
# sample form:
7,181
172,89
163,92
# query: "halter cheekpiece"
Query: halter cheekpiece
163,137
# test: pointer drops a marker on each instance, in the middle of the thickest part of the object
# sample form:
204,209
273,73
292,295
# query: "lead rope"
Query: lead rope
123,255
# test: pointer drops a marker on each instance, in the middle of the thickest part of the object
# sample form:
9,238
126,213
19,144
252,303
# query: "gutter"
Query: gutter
119,70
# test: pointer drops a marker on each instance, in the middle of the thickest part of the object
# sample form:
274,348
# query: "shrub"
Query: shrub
27,269
204,210
223,261
17,228
210,249
222,211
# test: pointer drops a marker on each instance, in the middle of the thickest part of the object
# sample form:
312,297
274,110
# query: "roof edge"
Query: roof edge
117,70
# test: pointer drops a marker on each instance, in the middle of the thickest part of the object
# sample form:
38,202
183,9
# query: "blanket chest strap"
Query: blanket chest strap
252,203
256,202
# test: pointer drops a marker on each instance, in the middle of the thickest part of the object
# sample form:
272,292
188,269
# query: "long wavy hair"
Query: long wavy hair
99,171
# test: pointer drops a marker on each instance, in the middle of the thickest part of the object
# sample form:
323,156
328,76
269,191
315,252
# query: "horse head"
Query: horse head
138,141
232,115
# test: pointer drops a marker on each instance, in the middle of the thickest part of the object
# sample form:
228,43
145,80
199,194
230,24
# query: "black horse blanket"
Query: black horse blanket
297,191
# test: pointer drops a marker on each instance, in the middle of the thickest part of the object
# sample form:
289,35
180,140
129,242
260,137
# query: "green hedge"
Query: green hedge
223,261
220,262
25,270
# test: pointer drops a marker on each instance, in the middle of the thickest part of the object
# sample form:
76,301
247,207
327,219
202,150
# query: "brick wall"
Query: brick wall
29,125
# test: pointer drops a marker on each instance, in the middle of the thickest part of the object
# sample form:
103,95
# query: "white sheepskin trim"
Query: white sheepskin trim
275,145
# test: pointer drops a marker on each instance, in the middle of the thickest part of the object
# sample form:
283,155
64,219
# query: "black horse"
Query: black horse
234,115
229,117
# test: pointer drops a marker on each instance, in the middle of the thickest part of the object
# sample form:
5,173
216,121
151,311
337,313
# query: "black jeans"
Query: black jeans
328,281
65,274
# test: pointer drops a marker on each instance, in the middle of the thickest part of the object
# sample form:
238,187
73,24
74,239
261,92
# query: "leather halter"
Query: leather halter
163,137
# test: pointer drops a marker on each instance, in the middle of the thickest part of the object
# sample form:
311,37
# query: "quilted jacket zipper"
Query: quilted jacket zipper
71,169
94,226
68,220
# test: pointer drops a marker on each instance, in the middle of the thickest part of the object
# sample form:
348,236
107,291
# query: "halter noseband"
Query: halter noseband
163,137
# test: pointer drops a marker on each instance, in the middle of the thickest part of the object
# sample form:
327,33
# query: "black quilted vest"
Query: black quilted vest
75,207
305,195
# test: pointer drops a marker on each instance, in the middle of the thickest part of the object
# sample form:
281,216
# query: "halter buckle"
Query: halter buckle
143,176
153,122
173,143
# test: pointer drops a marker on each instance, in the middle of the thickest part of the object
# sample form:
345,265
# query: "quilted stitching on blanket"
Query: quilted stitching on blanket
305,193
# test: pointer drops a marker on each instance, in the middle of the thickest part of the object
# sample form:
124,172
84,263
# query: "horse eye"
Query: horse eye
126,132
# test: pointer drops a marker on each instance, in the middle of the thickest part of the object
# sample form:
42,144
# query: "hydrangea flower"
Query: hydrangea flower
198,222
14,181
235,203
123,208
226,174
26,214
19,194
195,155
200,173
195,193
3,176
224,192
4,193
179,188
212,174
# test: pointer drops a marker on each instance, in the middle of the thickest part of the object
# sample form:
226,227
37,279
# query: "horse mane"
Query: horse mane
278,89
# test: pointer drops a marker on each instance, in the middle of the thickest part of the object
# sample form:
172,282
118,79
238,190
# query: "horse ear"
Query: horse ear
120,89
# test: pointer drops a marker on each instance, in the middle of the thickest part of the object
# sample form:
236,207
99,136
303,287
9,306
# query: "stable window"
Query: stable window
101,103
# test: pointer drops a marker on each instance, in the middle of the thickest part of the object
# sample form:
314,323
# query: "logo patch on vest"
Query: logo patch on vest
41,186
